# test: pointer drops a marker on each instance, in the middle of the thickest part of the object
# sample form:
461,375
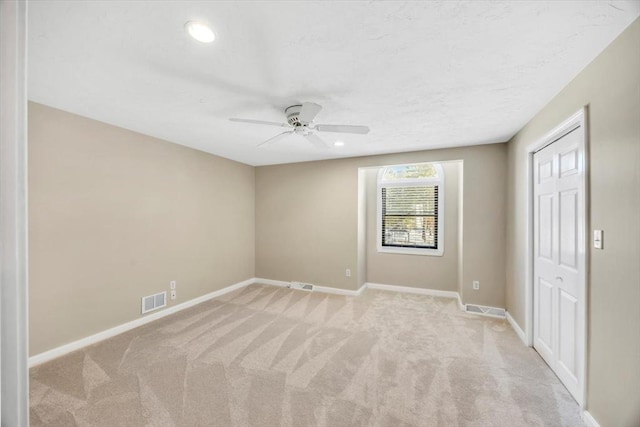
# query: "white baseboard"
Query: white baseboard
588,419
336,291
379,286
517,328
271,282
410,290
101,336
316,288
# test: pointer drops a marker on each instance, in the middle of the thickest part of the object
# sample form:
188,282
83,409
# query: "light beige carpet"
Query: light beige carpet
268,356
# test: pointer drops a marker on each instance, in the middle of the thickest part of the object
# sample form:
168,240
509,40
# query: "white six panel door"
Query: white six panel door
559,270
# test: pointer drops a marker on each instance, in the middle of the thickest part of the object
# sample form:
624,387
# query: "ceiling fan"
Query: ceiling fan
300,122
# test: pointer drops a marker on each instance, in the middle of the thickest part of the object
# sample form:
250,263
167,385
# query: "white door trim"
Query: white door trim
578,119
14,392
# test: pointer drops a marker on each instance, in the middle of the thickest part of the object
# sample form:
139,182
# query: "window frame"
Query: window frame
439,182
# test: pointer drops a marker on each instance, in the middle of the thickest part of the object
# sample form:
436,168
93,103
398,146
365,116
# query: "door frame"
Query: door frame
576,120
14,329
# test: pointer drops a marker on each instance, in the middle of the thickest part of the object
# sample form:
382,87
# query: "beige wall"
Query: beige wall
307,219
610,86
429,272
115,215
307,223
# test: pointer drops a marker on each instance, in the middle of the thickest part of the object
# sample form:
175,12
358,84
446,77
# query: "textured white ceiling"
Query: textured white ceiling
420,74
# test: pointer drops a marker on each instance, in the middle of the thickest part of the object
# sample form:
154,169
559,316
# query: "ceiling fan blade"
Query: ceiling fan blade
342,128
260,122
309,112
317,141
276,138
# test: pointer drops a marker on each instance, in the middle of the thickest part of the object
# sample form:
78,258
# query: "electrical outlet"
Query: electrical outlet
172,284
476,285
174,294
348,272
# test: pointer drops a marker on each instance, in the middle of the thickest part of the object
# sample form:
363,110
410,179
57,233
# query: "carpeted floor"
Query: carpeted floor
269,356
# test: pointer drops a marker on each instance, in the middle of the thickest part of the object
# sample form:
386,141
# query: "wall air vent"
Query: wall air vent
301,286
487,311
154,302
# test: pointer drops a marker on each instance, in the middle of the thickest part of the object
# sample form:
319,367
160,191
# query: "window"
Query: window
410,209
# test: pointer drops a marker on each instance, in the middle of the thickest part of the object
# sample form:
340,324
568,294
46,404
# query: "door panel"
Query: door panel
568,229
545,170
545,238
559,270
567,340
545,328
568,163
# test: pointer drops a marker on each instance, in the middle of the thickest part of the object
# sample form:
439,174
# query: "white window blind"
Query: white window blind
410,216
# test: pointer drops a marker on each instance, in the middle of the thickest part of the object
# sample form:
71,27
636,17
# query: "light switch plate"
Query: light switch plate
597,239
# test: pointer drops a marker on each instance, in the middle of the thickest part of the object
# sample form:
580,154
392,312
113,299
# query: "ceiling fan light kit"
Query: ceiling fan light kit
200,31
300,120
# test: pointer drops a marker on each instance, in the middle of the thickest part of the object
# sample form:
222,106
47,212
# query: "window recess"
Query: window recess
410,209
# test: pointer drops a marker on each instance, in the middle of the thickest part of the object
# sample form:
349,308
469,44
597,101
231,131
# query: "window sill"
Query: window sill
411,251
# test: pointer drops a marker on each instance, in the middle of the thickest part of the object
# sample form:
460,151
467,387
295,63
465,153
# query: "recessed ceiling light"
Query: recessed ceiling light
200,31
338,144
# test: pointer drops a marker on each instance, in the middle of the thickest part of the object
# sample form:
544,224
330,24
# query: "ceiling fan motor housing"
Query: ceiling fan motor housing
293,113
